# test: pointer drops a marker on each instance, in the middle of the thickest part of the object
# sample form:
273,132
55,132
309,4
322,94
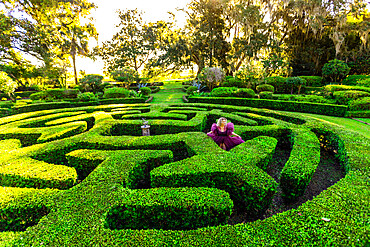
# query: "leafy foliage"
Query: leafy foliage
211,76
91,83
86,97
145,91
116,92
127,75
335,70
7,85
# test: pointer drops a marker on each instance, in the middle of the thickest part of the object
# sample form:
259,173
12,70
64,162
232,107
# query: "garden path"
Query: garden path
171,92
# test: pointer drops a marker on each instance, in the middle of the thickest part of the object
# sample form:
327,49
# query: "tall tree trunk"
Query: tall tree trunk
74,67
12,97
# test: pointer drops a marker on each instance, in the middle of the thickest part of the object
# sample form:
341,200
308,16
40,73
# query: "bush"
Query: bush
360,104
211,77
91,83
265,87
233,92
145,91
352,80
116,92
55,94
335,70
125,75
313,81
265,95
233,82
334,88
278,82
293,82
363,83
245,93
223,92
190,90
247,75
7,85
86,97
344,97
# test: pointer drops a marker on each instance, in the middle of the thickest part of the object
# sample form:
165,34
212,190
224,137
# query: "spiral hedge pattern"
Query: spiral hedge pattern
86,177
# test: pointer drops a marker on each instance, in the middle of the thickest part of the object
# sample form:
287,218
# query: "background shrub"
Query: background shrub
335,70
360,104
344,97
233,92
265,95
265,87
126,75
116,92
245,93
353,79
190,90
295,82
363,83
211,77
223,91
91,83
145,91
86,97
55,94
233,82
278,82
313,81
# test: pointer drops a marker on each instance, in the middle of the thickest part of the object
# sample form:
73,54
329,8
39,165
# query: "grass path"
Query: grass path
347,123
171,92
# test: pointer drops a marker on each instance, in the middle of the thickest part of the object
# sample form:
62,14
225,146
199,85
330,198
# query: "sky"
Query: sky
106,19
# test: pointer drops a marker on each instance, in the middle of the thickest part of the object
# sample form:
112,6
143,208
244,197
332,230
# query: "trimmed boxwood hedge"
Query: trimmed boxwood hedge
79,216
168,209
239,174
324,109
301,165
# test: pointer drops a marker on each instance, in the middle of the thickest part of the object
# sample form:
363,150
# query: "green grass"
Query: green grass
170,93
347,123
366,120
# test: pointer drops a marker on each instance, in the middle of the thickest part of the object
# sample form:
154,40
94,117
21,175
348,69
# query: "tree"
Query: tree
335,70
74,35
7,85
134,44
46,32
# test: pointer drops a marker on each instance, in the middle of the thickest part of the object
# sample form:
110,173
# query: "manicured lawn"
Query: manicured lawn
366,120
348,123
170,92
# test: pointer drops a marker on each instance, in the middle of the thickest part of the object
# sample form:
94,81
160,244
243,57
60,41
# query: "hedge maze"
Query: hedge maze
86,177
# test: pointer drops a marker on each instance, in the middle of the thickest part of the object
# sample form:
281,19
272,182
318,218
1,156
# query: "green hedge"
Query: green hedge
168,209
22,207
344,97
353,79
56,105
25,94
365,113
79,216
334,88
361,104
313,81
239,173
301,165
324,109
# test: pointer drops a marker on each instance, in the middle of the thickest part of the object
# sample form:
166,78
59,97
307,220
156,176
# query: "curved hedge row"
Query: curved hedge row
324,109
301,165
113,168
